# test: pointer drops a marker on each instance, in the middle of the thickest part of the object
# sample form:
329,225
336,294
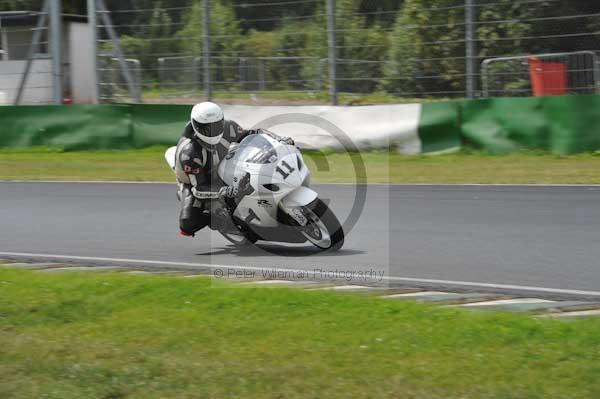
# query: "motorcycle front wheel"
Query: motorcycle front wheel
323,229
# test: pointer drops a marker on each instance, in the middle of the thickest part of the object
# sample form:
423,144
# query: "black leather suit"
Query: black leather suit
196,165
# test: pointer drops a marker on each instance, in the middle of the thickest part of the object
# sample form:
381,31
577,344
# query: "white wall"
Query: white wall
39,84
81,60
366,127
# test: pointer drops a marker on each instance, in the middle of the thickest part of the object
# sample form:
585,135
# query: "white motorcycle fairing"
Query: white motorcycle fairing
170,157
274,202
277,178
301,196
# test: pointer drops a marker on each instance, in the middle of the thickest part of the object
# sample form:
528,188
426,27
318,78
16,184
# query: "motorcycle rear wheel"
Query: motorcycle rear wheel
323,229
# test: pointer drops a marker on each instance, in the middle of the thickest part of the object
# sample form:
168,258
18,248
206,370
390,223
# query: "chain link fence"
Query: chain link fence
45,52
541,74
321,51
281,51
25,70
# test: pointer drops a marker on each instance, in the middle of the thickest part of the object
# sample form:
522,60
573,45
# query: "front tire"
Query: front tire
323,229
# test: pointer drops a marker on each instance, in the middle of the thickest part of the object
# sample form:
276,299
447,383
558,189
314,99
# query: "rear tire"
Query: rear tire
323,222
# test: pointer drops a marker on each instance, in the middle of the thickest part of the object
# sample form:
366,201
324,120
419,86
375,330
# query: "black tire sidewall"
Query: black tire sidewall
331,222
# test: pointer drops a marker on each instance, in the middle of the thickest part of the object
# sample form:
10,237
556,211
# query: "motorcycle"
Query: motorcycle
274,202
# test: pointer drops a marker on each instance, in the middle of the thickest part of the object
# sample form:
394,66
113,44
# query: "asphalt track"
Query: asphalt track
493,236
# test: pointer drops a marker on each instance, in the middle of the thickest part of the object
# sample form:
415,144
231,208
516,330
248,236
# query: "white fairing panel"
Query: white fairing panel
301,196
275,169
170,157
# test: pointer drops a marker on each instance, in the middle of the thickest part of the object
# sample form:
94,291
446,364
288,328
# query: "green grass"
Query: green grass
125,336
380,167
48,164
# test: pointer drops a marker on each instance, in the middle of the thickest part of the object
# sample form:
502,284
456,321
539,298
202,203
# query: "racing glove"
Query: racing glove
228,192
286,140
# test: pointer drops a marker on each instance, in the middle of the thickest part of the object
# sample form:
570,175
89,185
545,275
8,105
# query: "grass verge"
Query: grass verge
380,167
123,336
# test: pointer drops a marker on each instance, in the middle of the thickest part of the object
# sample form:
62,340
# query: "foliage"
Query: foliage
406,47
427,55
154,41
292,39
259,44
225,39
427,49
361,49
361,59
264,15
224,29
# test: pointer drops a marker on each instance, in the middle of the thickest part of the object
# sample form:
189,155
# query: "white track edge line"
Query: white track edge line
254,268
88,181
322,184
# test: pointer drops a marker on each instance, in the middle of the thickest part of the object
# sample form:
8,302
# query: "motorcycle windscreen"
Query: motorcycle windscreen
253,150
256,149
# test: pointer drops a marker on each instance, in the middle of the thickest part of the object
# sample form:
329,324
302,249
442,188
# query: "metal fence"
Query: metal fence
369,51
564,73
315,51
27,70
115,85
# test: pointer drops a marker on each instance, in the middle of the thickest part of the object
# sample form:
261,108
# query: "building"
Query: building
16,34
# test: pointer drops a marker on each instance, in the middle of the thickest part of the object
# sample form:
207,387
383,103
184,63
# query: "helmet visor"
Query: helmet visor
213,129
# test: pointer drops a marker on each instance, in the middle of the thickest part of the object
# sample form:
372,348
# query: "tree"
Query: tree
291,40
360,49
129,15
266,16
380,12
427,49
566,26
428,43
151,41
225,39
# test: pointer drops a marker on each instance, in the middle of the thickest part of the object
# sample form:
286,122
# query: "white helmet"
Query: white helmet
208,122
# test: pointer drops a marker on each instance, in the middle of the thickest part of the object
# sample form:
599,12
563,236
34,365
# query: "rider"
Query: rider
205,142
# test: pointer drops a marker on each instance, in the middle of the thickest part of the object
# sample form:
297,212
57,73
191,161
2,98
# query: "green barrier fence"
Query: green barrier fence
158,124
92,127
562,125
77,127
439,127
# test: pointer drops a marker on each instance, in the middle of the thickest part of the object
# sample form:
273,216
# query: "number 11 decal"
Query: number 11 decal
290,170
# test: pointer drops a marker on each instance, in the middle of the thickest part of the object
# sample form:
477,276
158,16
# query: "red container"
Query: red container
547,78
